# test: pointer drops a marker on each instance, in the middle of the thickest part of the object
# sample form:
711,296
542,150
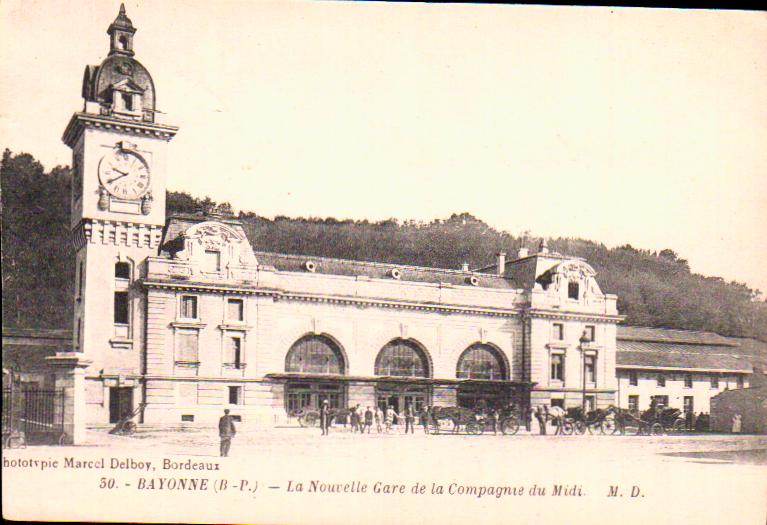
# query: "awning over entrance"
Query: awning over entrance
287,376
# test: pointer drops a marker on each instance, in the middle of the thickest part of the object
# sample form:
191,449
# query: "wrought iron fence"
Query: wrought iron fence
35,415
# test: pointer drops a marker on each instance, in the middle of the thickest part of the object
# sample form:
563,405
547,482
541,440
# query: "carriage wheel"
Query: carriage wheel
608,426
308,420
567,428
656,429
509,426
580,428
473,428
680,426
129,428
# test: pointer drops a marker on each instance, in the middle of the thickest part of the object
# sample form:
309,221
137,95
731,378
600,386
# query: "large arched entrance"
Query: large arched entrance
406,363
485,368
308,360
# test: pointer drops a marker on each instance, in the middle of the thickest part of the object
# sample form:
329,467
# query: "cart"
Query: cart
126,426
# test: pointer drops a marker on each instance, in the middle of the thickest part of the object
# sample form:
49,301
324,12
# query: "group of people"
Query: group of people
362,421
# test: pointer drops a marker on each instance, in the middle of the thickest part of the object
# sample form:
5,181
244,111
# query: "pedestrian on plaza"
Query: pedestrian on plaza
226,432
379,418
425,418
368,420
390,415
409,418
527,416
356,417
360,418
493,417
325,417
737,422
540,415
689,419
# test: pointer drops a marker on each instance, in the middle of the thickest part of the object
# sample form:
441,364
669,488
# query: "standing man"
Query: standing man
226,432
390,415
425,419
368,420
379,417
325,417
493,415
541,417
409,419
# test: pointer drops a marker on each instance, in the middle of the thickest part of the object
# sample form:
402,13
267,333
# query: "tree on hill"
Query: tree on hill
654,289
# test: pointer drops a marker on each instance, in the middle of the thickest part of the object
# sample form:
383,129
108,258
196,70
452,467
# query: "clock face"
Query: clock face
124,174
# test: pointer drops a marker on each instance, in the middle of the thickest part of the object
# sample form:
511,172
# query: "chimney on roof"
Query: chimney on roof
522,253
501,263
465,267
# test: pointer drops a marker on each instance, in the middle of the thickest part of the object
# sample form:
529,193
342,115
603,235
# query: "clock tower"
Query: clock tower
117,215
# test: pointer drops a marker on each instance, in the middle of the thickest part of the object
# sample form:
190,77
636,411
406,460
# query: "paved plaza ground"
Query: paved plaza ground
301,476
343,443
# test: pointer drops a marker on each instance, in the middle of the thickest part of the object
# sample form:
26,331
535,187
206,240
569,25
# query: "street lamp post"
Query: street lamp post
584,340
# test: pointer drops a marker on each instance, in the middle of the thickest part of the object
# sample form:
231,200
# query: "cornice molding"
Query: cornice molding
574,316
280,295
81,121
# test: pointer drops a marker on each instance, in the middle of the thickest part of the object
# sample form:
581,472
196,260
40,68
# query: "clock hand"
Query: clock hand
110,181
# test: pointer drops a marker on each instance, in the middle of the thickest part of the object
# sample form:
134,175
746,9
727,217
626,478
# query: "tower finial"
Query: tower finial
121,34
543,247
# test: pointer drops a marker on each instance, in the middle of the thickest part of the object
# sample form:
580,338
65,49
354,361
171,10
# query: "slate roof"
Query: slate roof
686,350
659,335
326,265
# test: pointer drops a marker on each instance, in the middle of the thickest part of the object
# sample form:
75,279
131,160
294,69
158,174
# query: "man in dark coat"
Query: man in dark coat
226,432
409,418
325,417
541,416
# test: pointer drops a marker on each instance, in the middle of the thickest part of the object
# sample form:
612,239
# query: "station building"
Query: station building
187,316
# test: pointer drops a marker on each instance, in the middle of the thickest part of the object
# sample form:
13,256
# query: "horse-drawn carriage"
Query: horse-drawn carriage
599,421
310,417
473,422
651,422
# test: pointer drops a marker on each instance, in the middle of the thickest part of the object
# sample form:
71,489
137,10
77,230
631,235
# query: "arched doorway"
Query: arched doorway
485,367
312,357
402,359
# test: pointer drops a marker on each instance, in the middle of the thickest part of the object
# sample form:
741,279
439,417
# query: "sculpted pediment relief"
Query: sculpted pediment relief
212,236
557,281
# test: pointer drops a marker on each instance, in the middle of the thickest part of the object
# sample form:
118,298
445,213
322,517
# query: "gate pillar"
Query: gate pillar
69,377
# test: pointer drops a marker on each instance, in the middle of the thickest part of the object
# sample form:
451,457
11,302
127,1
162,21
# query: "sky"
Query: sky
639,126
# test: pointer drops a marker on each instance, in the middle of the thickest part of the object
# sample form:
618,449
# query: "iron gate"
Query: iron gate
33,416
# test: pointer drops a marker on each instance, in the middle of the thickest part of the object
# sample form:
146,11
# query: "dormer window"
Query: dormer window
573,290
127,97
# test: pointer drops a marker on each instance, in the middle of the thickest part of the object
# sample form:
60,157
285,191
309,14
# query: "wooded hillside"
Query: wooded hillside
654,289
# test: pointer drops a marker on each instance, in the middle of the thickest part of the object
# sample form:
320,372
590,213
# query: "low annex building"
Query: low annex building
681,369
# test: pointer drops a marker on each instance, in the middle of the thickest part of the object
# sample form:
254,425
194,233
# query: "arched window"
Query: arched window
481,361
122,270
315,354
402,358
